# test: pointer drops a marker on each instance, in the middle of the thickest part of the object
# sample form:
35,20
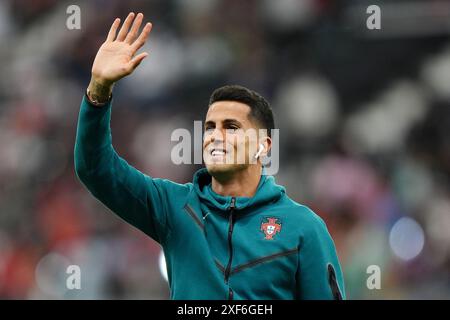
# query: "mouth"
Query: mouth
217,152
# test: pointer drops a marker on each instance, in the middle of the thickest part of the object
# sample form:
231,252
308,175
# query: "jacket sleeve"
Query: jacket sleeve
135,197
319,276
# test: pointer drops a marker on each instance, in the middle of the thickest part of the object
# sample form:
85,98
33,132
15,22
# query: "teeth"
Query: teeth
217,153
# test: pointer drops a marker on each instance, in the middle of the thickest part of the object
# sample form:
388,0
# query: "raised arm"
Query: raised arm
135,197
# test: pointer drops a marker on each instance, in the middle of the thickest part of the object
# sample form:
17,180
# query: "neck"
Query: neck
241,184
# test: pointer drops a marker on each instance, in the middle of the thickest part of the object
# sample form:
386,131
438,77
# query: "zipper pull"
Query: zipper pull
231,220
233,203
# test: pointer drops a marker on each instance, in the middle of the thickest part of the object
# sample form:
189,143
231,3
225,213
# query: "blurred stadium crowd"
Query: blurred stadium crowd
364,120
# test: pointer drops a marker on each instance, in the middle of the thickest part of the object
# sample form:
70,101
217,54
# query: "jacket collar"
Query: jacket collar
268,191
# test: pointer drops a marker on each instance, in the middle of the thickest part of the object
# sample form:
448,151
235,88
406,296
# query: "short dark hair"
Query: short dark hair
260,109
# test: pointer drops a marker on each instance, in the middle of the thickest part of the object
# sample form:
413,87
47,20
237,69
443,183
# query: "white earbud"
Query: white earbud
261,149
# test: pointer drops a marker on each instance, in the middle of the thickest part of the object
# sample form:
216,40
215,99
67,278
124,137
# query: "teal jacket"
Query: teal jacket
216,247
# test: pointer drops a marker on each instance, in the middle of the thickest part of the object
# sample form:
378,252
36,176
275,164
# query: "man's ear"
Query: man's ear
267,143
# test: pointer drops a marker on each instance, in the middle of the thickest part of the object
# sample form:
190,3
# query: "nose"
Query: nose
217,136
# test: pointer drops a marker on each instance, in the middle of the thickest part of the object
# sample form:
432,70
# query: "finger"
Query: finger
131,36
113,30
138,59
126,25
142,37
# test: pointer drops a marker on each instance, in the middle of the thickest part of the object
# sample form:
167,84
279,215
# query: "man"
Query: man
232,233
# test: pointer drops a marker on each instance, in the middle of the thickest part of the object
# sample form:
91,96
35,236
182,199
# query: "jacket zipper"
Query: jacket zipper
230,246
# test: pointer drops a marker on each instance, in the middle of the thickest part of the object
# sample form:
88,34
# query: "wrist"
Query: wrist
99,80
99,92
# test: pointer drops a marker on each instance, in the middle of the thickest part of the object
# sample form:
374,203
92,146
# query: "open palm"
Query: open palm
117,57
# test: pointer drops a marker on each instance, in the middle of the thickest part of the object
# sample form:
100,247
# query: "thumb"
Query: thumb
138,59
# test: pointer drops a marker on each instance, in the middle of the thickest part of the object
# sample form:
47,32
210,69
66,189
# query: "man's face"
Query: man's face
230,138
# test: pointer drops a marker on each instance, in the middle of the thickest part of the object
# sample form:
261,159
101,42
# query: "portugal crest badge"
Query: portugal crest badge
270,226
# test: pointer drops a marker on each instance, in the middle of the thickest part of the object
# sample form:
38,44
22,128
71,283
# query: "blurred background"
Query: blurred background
364,118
